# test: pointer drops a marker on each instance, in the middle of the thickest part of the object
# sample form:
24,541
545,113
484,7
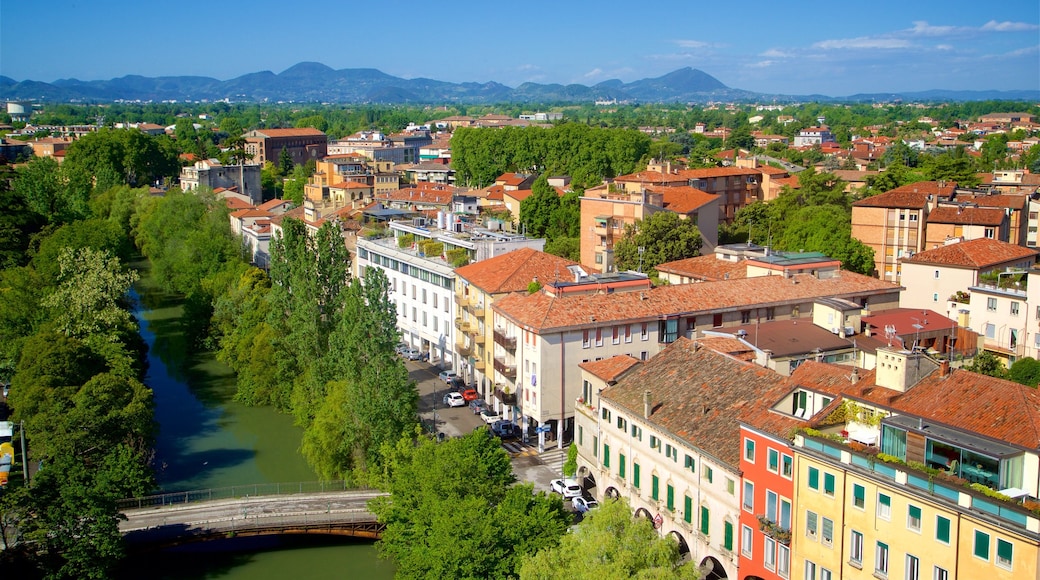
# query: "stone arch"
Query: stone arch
643,513
588,482
611,493
684,548
712,569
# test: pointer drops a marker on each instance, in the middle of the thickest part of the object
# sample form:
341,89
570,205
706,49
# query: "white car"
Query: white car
568,488
454,399
582,505
446,376
489,416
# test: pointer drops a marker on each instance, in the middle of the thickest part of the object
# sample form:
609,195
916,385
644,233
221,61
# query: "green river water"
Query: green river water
207,440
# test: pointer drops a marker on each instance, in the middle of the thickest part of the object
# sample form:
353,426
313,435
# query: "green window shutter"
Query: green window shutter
595,446
774,460
705,524
814,478
606,455
708,473
828,483
728,536
884,500
981,545
635,474
859,495
942,529
1004,550
670,497
655,487
621,465
688,509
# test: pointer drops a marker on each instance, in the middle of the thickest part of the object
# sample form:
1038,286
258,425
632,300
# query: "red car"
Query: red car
470,395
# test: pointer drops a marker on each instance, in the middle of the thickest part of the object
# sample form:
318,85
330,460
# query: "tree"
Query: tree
454,513
987,363
285,162
1026,371
610,545
663,237
536,211
42,185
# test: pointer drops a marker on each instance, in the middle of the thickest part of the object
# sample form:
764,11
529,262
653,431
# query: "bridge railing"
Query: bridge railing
235,492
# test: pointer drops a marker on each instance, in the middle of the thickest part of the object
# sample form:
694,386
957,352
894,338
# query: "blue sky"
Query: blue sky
832,48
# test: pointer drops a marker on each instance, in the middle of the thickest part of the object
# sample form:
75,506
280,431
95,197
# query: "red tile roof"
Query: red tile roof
513,271
684,199
269,205
975,254
610,369
983,216
235,203
542,312
911,196
705,268
300,132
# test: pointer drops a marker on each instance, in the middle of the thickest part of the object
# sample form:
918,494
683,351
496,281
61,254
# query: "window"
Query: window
746,539
771,505
827,532
731,486
774,461
810,570
936,275
749,450
749,496
581,434
605,414
814,478
859,496
687,509
621,423
705,520
991,304
1004,553
745,316
787,465
628,333
637,432
991,330
727,536
884,506
689,463
935,296
1014,309
913,568
595,446
913,518
769,553
981,549
644,332
671,452
785,514
825,574
942,529
856,549
783,561
828,484
811,525
707,473
599,337
655,487
940,574
606,456
635,474
621,465
585,342
669,496
881,559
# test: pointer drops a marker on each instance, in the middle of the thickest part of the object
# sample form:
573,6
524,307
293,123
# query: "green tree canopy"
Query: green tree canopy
1026,371
536,211
987,363
664,237
610,544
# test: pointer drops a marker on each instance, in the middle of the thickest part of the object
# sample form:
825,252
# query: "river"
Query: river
206,440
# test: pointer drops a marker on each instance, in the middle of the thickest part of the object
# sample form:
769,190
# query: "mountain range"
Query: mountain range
316,82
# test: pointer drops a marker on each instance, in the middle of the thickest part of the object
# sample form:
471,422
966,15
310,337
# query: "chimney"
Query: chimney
944,368
855,375
647,403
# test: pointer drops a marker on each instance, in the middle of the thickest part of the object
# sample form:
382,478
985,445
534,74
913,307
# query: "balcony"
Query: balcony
506,342
463,349
465,301
507,371
505,394
479,364
476,310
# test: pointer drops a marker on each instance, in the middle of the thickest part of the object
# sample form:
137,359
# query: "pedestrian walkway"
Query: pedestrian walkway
519,449
554,458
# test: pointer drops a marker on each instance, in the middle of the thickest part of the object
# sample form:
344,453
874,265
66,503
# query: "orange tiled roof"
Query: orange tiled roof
983,216
542,312
513,271
910,196
268,205
705,268
235,203
300,132
729,346
684,199
710,172
610,369
250,212
976,254
648,176
698,395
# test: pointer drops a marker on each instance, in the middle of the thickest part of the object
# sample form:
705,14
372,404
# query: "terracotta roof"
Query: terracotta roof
904,319
269,205
1013,201
716,172
511,178
911,196
791,337
415,195
1001,410
300,132
698,395
513,271
610,369
729,346
975,254
235,203
983,216
250,212
684,199
518,194
542,312
705,268
295,213
648,176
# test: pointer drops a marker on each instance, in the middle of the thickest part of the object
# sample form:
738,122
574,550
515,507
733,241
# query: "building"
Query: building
486,352
244,179
304,144
814,136
572,322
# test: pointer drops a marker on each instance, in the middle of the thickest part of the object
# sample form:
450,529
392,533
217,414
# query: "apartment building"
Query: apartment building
667,444
244,179
304,144
558,327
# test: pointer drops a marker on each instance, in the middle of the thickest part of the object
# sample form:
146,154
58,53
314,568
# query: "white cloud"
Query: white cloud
594,73
994,26
762,64
774,53
527,67
863,42
944,47
1024,51
922,28
693,43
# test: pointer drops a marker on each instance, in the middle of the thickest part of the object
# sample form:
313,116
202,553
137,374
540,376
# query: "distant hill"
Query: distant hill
316,82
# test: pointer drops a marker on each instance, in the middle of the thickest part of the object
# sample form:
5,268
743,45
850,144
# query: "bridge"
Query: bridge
251,510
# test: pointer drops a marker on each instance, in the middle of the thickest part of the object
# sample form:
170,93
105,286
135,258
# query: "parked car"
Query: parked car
457,384
411,354
505,430
568,488
446,376
477,406
400,348
454,399
489,416
582,505
470,395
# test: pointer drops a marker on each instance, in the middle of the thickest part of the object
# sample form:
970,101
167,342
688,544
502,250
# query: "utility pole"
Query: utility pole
25,457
